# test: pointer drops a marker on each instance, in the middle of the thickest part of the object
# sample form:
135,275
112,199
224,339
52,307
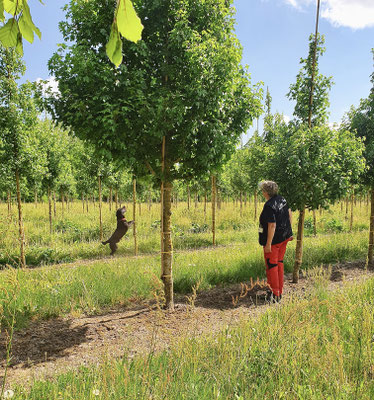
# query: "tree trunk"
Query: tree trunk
20,223
245,199
100,211
9,199
83,202
166,241
299,246
241,204
188,197
87,203
116,198
62,204
110,198
218,194
205,201
214,209
134,216
351,219
149,200
314,223
255,203
371,234
54,204
50,210
346,207
195,200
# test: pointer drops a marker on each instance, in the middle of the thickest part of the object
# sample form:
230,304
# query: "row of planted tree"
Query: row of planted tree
173,111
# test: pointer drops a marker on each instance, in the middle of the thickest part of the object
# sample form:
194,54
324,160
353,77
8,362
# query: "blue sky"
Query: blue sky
274,35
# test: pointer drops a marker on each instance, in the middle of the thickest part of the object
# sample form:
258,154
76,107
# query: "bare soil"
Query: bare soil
46,348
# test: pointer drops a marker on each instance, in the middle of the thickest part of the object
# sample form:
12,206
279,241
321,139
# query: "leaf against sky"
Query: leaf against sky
129,24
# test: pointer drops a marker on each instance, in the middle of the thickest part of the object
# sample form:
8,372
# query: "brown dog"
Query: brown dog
120,232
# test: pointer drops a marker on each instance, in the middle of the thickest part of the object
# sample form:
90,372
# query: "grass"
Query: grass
91,287
316,348
76,236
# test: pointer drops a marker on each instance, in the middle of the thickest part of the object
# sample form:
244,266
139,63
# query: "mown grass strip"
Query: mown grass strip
89,288
315,348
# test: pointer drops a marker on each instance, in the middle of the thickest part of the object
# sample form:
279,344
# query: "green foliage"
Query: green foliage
314,167
301,90
183,81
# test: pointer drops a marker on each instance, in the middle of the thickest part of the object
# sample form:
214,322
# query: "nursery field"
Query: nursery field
76,233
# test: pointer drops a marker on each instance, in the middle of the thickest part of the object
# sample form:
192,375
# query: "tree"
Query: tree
20,149
175,106
361,121
313,167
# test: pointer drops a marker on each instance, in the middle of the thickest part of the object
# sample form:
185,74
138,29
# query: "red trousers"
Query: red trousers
275,267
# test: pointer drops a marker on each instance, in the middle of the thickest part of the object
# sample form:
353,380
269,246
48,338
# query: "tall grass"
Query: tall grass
315,348
76,236
90,287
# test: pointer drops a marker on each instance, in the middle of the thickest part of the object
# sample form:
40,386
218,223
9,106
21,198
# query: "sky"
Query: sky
274,35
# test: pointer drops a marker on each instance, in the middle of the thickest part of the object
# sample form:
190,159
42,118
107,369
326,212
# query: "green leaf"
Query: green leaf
13,7
114,46
26,16
2,10
129,24
26,29
9,33
19,46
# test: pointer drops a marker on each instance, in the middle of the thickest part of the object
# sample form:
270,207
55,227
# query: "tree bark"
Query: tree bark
100,211
214,209
371,233
241,204
134,216
205,201
54,204
149,200
351,219
20,223
299,246
9,199
314,223
110,198
166,240
83,202
116,198
188,197
62,204
50,210
195,200
255,203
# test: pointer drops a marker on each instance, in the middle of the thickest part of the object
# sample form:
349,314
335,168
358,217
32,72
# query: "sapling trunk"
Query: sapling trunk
9,203
299,246
351,219
218,195
116,198
166,242
241,204
100,210
20,223
87,203
110,198
205,201
54,204
149,200
371,234
195,200
36,197
62,204
214,209
50,210
83,202
314,223
134,216
188,197
255,204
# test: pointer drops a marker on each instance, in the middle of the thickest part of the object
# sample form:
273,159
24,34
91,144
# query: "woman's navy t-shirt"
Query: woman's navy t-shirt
275,210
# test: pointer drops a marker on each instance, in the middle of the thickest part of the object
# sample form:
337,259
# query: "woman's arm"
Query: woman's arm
271,232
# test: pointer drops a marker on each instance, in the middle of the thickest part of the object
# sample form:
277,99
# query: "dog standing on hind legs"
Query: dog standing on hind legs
121,230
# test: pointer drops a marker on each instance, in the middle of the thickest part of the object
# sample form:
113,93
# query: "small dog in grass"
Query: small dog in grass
120,232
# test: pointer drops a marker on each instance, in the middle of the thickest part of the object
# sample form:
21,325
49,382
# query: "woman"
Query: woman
274,233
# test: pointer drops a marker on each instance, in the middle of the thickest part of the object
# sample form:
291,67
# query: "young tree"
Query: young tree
20,149
178,102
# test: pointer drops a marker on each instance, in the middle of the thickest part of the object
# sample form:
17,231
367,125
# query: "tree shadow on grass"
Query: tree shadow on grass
41,342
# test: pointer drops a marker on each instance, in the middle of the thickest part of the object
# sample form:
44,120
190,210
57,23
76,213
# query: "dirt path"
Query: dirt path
54,346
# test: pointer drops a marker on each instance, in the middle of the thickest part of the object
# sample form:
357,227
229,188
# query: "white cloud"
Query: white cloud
355,14
50,86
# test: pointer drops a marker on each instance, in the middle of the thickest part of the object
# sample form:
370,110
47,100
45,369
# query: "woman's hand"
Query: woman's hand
267,248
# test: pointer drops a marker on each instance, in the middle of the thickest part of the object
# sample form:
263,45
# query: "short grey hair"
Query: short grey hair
270,187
